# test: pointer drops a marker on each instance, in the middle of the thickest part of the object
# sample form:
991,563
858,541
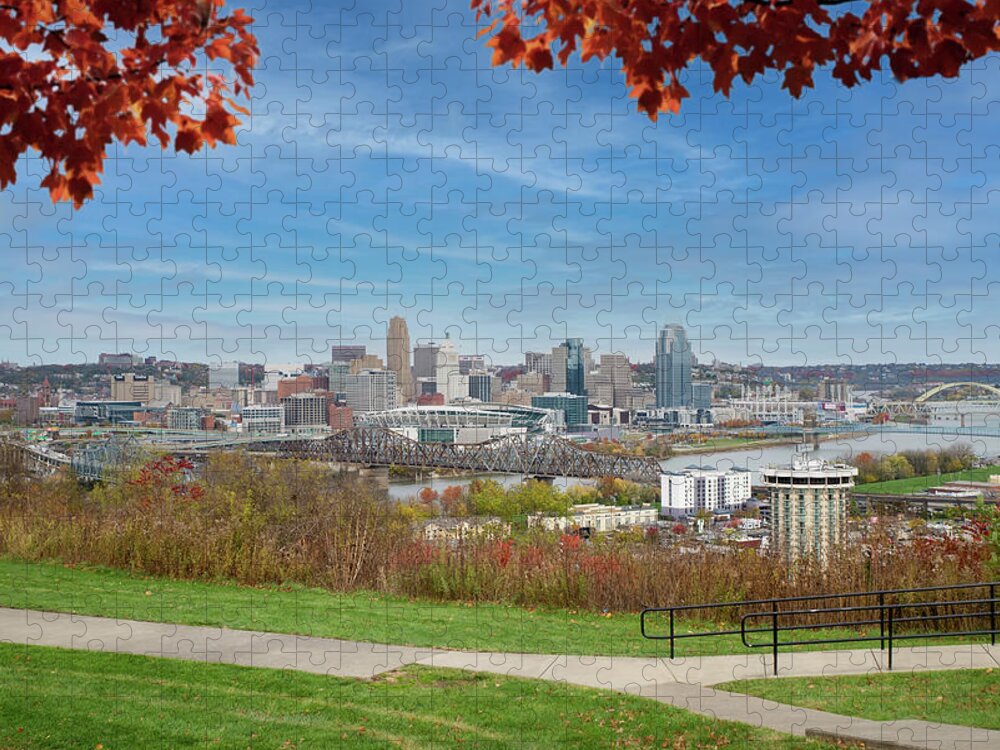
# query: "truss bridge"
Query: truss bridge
542,457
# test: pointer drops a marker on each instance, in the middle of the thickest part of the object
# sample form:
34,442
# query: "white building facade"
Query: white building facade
694,490
263,418
598,518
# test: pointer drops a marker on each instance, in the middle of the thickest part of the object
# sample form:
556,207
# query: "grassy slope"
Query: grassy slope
359,615
967,697
917,484
54,698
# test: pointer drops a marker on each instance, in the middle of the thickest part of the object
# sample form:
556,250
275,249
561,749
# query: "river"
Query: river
878,440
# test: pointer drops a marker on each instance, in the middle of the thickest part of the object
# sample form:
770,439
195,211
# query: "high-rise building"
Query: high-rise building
570,364
223,375
132,387
263,418
685,493
481,386
450,381
612,384
304,383
370,390
557,378
338,381
538,362
809,502
305,410
673,368
576,367
397,354
425,360
344,355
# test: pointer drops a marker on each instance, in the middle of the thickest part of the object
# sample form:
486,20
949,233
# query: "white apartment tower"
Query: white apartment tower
694,490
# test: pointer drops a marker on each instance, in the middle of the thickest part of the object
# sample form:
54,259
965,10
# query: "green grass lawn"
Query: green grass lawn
969,697
359,615
918,484
55,698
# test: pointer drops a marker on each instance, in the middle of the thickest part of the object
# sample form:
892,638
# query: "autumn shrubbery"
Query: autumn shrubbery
250,520
259,520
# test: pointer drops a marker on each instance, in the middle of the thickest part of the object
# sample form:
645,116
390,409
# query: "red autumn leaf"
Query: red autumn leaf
656,40
74,96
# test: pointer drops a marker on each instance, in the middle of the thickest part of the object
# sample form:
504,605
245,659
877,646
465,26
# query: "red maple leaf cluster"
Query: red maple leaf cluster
655,40
166,477
68,89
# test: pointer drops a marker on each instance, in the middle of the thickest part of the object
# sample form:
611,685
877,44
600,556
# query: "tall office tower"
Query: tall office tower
224,375
305,410
557,379
450,381
344,355
370,390
397,354
338,381
576,367
673,368
808,506
481,386
425,360
614,380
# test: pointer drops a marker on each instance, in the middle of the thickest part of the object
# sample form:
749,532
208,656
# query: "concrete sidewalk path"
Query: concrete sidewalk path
684,683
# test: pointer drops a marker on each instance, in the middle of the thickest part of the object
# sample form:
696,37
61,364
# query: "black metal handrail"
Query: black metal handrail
887,618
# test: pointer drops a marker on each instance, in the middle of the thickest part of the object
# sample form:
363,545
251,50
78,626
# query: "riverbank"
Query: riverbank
736,444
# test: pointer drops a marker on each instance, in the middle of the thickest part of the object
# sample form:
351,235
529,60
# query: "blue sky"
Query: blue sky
388,169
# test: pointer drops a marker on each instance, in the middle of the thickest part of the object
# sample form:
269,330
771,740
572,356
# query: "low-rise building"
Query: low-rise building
598,518
458,529
574,407
185,418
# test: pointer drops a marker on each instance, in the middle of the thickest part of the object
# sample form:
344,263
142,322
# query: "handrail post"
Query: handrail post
774,636
881,621
993,614
671,632
890,639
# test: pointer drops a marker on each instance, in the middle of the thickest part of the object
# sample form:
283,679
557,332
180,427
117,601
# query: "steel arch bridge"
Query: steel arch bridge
90,463
928,395
547,456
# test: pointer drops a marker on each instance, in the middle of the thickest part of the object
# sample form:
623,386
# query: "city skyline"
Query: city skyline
775,230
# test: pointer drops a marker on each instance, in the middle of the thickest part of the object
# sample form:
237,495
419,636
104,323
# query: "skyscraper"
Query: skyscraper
425,360
673,368
569,364
576,367
397,351
450,381
808,506
370,390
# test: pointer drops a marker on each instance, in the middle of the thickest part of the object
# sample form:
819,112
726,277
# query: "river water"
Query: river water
876,441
